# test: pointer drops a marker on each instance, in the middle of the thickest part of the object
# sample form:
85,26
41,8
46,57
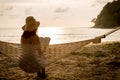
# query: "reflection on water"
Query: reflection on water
60,34
52,32
48,31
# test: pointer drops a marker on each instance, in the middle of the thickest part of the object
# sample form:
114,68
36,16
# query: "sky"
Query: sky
55,13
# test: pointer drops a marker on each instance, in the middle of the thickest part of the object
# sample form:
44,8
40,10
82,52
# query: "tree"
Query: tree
110,15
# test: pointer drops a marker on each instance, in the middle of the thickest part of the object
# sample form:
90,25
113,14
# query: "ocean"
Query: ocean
53,13
60,34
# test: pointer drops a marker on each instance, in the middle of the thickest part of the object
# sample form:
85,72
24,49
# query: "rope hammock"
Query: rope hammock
52,52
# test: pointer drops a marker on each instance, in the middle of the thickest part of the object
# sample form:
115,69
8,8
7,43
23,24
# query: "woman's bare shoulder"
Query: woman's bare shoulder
31,40
36,39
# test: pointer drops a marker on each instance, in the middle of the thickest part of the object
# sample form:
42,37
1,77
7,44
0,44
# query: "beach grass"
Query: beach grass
93,62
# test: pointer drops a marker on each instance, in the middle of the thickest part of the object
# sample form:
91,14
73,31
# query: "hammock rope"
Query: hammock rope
52,52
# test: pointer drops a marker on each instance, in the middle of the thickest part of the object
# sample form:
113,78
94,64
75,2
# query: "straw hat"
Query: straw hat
31,24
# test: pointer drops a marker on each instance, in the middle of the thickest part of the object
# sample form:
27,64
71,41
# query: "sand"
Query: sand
93,62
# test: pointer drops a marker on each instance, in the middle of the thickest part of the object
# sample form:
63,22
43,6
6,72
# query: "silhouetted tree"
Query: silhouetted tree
109,16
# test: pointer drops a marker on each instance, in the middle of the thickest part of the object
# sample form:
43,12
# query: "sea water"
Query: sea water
60,34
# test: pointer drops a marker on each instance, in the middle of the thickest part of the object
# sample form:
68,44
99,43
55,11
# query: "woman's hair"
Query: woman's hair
27,34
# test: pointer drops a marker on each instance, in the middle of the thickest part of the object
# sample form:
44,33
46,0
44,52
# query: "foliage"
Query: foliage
109,16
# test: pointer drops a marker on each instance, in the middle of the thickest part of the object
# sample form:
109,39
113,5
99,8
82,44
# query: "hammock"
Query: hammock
52,52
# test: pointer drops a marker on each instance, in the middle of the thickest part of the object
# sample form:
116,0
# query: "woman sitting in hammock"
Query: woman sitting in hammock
32,60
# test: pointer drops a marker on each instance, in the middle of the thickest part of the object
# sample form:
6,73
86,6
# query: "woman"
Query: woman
29,37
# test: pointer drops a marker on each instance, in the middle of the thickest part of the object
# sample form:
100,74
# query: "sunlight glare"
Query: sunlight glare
47,31
51,32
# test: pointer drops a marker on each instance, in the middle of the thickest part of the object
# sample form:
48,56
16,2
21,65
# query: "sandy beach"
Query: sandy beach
93,62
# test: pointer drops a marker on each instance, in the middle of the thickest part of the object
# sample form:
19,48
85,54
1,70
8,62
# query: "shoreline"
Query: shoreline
103,27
